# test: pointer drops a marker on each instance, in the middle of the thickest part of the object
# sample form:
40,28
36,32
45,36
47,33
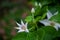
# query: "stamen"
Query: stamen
52,23
23,27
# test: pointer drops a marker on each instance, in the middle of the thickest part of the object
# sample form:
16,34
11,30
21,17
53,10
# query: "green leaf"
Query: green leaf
41,34
25,36
28,19
20,36
46,33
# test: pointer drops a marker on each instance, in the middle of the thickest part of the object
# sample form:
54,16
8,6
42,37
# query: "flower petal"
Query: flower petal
49,14
17,27
57,24
56,27
26,24
26,30
45,22
22,22
56,13
21,31
18,24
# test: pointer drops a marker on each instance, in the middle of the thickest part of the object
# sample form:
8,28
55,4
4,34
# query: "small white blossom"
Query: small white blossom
32,10
47,22
22,27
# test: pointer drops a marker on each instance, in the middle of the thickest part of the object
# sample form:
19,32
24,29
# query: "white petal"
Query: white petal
22,22
26,30
17,27
21,30
56,13
18,24
56,28
45,22
26,24
32,10
49,14
58,25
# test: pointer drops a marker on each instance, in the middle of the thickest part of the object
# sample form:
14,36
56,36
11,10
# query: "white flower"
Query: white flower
47,22
49,14
32,10
22,27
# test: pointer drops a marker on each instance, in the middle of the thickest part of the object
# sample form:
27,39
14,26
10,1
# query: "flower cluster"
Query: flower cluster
23,27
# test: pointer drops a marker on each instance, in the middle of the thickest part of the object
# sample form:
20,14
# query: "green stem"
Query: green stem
44,15
31,28
33,22
34,26
33,16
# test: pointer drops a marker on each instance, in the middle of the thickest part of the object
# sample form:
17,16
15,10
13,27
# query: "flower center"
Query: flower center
52,23
23,27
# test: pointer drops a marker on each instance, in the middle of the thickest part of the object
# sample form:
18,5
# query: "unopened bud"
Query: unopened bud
32,10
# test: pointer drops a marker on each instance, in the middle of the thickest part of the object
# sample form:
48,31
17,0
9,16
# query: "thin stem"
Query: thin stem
34,26
44,15
33,16
31,28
